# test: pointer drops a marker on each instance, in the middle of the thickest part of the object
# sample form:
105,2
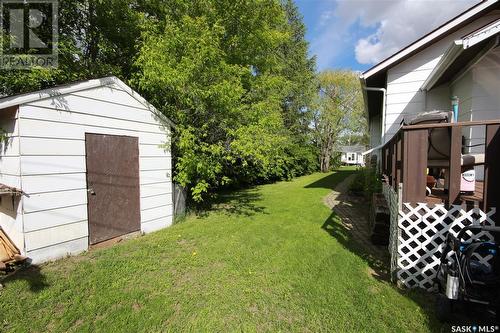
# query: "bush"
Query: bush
335,161
366,182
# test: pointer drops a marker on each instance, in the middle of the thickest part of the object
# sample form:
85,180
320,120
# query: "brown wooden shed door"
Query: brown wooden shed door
112,186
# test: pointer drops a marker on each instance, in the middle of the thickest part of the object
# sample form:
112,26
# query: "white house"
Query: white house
459,59
352,155
82,163
456,64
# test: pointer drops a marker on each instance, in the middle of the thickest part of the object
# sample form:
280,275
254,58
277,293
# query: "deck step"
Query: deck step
380,220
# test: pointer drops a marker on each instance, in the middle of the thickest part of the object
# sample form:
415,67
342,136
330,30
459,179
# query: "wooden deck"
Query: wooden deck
439,196
405,159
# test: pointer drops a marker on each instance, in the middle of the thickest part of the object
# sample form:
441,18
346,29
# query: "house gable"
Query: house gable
405,80
449,27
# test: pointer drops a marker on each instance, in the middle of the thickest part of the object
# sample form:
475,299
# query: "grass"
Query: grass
259,261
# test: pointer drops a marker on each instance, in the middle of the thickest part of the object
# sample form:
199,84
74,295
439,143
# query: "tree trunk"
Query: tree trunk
325,160
326,153
92,35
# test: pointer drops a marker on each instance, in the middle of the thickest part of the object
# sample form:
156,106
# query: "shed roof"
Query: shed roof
78,86
5,189
351,149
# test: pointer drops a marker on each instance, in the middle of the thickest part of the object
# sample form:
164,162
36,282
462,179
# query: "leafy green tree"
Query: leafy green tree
234,75
300,71
224,72
338,112
96,38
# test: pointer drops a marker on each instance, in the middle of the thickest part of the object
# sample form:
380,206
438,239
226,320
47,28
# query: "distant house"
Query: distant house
84,163
352,155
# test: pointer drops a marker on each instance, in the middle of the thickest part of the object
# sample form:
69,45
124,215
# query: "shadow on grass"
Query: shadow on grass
380,268
331,180
334,228
242,202
359,244
31,274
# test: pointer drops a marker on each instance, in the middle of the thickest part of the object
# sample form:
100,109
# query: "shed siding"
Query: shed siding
53,168
9,157
404,80
11,218
486,87
57,250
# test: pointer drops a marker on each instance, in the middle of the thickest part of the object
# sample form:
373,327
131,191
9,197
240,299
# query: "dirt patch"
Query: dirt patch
136,307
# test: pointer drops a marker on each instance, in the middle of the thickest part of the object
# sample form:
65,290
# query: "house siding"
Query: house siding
53,165
404,80
479,100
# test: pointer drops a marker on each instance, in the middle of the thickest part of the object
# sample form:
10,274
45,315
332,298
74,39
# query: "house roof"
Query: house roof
463,53
376,77
351,149
443,30
79,86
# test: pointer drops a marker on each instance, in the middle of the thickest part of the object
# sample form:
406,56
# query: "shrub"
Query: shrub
366,182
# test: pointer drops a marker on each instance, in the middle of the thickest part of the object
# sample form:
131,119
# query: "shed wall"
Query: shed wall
9,150
53,170
11,220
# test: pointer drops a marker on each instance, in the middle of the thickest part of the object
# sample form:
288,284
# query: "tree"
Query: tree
300,71
96,38
224,71
234,75
338,112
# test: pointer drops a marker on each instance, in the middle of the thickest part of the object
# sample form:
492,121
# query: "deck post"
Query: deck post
389,162
455,172
415,164
393,163
399,152
491,195
382,157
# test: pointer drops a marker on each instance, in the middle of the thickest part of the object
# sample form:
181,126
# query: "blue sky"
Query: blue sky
356,34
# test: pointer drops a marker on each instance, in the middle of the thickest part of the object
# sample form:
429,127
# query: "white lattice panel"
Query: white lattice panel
422,233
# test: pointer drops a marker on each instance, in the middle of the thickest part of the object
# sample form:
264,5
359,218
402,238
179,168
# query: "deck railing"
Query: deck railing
405,157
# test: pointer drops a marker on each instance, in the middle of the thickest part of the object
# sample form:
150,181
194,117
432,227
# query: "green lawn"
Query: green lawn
261,261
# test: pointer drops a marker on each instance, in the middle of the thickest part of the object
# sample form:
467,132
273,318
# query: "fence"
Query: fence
180,194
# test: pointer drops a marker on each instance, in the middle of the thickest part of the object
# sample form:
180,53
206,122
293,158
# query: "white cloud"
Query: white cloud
325,17
393,23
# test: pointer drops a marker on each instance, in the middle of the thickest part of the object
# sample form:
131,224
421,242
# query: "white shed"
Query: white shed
93,163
